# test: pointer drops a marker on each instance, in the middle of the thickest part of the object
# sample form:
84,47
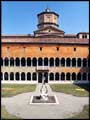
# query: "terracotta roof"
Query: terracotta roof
45,40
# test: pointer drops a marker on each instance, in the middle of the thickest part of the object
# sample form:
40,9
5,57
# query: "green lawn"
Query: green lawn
6,115
77,90
8,90
84,114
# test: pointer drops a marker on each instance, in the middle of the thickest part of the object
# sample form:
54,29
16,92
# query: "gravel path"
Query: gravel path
19,105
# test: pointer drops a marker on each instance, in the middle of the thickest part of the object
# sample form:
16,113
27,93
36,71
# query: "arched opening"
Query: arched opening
84,76
17,76
62,76
28,61
5,76
51,76
23,61
84,62
73,76
45,61
28,76
73,62
51,61
79,76
17,61
68,76
57,76
34,76
11,61
79,62
11,76
57,62
1,76
34,62
68,62
22,76
62,61
89,76
40,61
6,60
88,62
1,61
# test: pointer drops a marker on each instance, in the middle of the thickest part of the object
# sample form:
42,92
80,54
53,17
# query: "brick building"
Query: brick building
49,52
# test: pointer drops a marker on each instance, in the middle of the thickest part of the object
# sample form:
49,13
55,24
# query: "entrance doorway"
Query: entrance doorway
41,75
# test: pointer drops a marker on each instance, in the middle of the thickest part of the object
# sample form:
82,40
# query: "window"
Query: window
68,62
34,76
57,62
73,62
89,76
17,61
57,48
40,61
89,62
84,62
6,61
79,62
57,76
1,76
11,76
68,76
11,61
1,61
22,76
73,76
84,76
34,62
51,76
6,76
23,62
74,49
28,61
79,76
62,76
17,76
51,61
62,62
40,48
28,76
45,61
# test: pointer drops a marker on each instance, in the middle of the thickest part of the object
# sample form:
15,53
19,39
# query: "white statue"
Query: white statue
44,91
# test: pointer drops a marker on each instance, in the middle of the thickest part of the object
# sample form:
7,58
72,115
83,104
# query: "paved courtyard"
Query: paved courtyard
20,106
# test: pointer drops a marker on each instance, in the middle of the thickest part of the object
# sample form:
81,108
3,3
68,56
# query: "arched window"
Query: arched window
68,76
62,76
17,76
89,62
11,76
6,60
40,61
68,62
45,61
34,62
73,76
84,76
51,61
17,61
23,61
57,76
79,62
57,62
1,61
73,62
51,76
11,61
5,76
79,76
84,62
22,76
1,76
62,61
28,61
89,76
28,76
34,76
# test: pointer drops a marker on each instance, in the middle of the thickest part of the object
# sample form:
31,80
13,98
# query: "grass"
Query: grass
6,115
84,114
76,90
8,90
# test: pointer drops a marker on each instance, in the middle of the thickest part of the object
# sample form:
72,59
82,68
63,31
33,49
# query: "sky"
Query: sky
20,17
